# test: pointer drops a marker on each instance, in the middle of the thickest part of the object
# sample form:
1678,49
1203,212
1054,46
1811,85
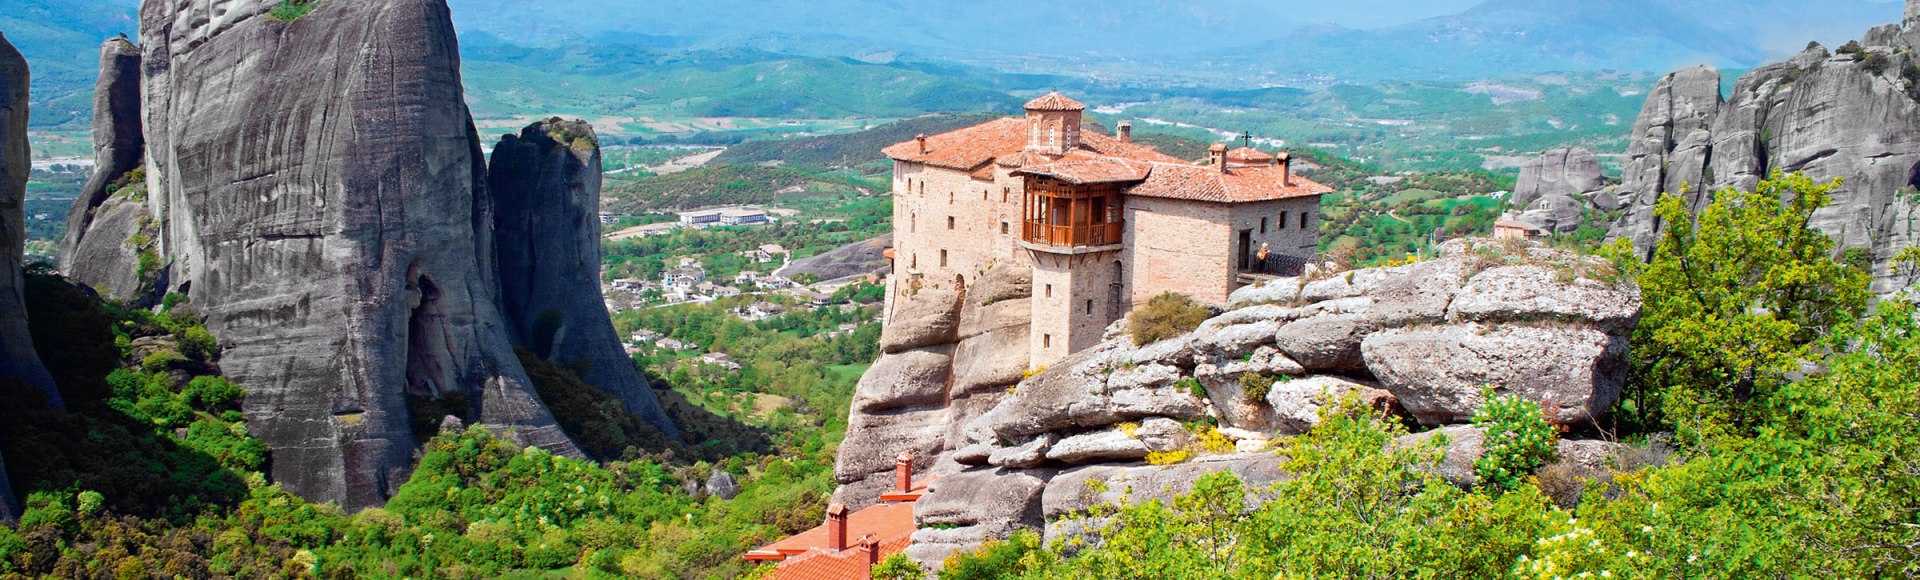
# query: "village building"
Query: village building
849,544
769,252
684,278
1509,228
1104,223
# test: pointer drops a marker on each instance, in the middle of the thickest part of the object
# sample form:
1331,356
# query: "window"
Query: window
913,261
1006,194
1303,220
943,258
1046,341
1089,307
1049,290
949,222
983,195
913,223
949,198
1263,225
1283,220
1006,228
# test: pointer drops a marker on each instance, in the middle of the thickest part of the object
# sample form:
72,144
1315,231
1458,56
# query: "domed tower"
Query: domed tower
1053,124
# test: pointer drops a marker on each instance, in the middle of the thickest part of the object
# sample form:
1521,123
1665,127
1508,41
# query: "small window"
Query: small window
913,223
1303,220
983,195
1089,307
1049,290
949,198
1006,194
913,262
943,258
949,222
1046,341
1263,225
1006,228
1283,220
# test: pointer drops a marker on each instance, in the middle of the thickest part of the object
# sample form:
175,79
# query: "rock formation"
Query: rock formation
109,226
18,359
1852,115
1556,189
1421,340
321,197
546,188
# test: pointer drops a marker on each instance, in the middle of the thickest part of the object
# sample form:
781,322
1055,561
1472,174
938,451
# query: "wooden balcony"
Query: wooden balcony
1072,236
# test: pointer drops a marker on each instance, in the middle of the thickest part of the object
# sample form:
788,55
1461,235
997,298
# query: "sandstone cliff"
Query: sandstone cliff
1853,115
320,194
109,227
546,187
18,359
1420,340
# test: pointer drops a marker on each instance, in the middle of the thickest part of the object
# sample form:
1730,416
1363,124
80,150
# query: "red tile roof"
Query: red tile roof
850,564
1249,155
880,521
1005,141
1054,102
1235,185
1095,170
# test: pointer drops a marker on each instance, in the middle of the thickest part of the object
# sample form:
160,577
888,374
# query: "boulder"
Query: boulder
967,509
1558,213
1297,403
722,485
1463,445
926,317
1098,446
1084,393
1522,294
1437,372
1162,434
321,196
1024,455
18,359
1329,343
546,223
1076,491
913,378
1562,172
993,353
864,464
101,256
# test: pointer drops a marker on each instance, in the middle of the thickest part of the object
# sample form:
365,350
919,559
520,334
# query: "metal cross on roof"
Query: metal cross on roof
1246,138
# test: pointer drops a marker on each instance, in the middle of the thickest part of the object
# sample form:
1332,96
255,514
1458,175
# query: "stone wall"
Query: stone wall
1178,246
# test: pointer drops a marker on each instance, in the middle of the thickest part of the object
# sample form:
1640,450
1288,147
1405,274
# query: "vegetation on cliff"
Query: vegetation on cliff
1798,441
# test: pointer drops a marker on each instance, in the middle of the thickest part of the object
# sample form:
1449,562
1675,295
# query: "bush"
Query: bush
1255,386
1006,559
290,10
898,567
214,393
1519,439
1165,316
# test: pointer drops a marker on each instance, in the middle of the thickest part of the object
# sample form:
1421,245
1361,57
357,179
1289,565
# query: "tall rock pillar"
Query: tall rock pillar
546,188
322,200
18,360
109,226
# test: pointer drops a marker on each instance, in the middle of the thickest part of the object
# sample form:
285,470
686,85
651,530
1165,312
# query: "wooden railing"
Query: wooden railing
1046,234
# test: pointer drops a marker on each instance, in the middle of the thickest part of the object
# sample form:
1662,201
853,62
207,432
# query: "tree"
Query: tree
1734,298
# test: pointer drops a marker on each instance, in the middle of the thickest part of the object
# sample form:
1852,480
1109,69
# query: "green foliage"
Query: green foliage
1519,439
1192,387
1165,316
1255,386
1733,298
1019,554
288,11
898,567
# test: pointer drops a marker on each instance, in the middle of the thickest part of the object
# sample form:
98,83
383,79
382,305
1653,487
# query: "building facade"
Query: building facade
1104,223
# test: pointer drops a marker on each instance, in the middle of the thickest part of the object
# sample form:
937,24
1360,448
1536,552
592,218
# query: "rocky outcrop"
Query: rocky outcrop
1851,115
18,359
9,507
109,227
546,189
1421,340
321,197
1557,189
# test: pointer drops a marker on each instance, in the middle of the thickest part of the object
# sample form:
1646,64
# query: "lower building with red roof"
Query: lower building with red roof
850,543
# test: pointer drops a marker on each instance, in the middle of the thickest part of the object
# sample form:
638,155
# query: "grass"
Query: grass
1165,316
290,10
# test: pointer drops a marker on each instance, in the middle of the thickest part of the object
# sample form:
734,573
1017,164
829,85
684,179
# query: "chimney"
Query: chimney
903,472
1217,156
922,140
872,546
1126,128
1285,160
837,527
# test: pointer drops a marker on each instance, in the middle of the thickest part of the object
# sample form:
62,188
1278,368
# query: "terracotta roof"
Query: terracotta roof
1516,224
843,565
1235,185
884,521
1054,101
1005,141
1095,170
1249,155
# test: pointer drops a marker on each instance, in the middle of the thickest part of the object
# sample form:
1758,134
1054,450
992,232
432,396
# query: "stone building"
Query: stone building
1104,223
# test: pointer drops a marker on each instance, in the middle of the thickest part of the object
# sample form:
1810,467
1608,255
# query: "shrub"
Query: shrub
1193,388
214,393
161,360
198,344
1169,457
1011,558
1519,439
898,567
1165,316
288,11
1255,386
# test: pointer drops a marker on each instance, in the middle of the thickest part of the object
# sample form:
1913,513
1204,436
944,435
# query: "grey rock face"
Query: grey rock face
1828,115
546,189
1566,171
722,485
914,378
1437,373
322,199
9,507
925,317
17,356
119,144
107,258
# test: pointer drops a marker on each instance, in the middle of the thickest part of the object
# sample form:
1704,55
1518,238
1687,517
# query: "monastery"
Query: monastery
1105,223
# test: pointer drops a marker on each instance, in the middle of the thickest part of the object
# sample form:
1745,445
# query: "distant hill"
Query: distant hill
850,150
717,185
61,40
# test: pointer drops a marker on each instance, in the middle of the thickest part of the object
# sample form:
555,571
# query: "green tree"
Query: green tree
1733,298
